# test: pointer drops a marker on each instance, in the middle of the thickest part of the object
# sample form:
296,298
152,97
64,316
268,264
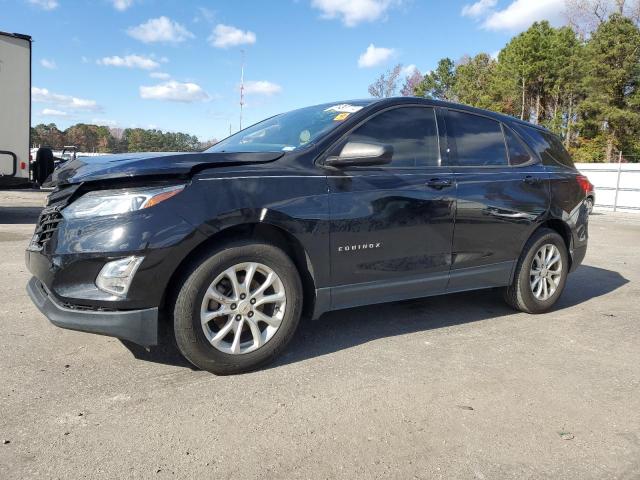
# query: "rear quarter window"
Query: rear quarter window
547,145
518,152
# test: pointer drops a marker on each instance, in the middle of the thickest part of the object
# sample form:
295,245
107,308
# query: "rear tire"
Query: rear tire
250,342
541,273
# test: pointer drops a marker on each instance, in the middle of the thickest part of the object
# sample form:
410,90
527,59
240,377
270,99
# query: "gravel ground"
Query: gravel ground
449,387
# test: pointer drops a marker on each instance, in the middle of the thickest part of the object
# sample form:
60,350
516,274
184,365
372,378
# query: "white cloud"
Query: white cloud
175,92
225,36
520,14
205,14
408,70
161,29
121,5
160,75
50,64
375,56
84,59
45,4
129,61
353,12
42,95
478,9
50,112
261,87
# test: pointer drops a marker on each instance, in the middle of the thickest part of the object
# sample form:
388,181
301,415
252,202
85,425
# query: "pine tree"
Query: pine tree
611,84
474,79
439,83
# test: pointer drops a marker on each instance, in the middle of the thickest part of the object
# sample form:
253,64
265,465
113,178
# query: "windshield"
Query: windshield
288,131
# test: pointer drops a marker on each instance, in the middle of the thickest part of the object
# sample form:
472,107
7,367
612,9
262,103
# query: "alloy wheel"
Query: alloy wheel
243,308
546,272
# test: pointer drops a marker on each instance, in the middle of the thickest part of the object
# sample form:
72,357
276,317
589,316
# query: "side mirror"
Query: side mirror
357,154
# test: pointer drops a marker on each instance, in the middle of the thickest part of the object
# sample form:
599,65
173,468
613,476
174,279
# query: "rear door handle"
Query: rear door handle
439,183
531,180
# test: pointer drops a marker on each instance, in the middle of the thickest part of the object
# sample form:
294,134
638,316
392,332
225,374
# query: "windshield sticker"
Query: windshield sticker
344,108
340,117
305,136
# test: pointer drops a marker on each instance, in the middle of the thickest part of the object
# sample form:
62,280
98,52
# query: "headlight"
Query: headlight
113,202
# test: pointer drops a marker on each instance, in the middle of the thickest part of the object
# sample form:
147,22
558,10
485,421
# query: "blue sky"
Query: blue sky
175,65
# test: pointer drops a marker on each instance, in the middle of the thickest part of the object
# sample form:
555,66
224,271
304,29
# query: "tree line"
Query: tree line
581,81
97,138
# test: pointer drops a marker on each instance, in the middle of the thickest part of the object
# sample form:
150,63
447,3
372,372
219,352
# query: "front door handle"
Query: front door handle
439,183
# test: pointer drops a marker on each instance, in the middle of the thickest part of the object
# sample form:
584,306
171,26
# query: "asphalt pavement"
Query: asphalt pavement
457,386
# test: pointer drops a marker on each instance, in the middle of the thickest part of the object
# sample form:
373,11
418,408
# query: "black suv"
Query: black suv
322,208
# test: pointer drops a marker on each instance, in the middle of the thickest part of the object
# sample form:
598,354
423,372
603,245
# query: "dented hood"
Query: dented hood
87,169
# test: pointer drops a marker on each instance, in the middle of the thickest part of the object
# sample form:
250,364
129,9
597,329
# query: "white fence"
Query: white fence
617,184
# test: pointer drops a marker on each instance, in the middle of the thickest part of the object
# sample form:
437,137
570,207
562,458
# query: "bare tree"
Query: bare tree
116,132
207,143
386,84
411,82
584,16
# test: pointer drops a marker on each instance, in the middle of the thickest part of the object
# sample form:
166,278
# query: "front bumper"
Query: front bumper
137,326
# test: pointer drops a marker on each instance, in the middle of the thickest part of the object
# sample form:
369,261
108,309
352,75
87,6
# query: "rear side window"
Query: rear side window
411,131
548,146
475,140
518,153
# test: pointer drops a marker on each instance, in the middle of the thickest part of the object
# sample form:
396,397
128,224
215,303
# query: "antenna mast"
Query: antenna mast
241,88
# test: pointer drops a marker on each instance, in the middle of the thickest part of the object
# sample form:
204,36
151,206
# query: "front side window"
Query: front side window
411,131
475,140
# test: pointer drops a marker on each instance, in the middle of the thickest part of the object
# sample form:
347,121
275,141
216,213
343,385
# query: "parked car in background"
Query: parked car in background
69,152
322,208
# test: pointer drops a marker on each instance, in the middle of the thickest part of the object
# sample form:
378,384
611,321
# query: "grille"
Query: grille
86,308
51,217
47,225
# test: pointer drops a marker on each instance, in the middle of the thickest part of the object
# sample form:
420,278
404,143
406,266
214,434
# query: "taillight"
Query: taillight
23,165
584,183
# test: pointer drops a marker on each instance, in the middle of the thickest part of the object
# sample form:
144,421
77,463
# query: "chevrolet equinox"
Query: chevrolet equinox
323,208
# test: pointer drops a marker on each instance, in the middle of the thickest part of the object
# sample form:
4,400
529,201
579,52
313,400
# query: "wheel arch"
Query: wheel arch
267,232
562,229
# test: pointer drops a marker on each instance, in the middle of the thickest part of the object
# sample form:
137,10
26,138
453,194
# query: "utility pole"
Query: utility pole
241,88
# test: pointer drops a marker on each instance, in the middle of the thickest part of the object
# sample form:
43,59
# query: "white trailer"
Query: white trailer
15,108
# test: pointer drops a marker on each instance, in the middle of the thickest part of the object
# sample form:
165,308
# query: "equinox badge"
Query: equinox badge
359,246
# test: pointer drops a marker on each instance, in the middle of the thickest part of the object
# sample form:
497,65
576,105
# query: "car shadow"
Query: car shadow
349,328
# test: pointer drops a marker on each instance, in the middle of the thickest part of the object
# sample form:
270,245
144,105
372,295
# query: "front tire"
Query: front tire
541,273
238,308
